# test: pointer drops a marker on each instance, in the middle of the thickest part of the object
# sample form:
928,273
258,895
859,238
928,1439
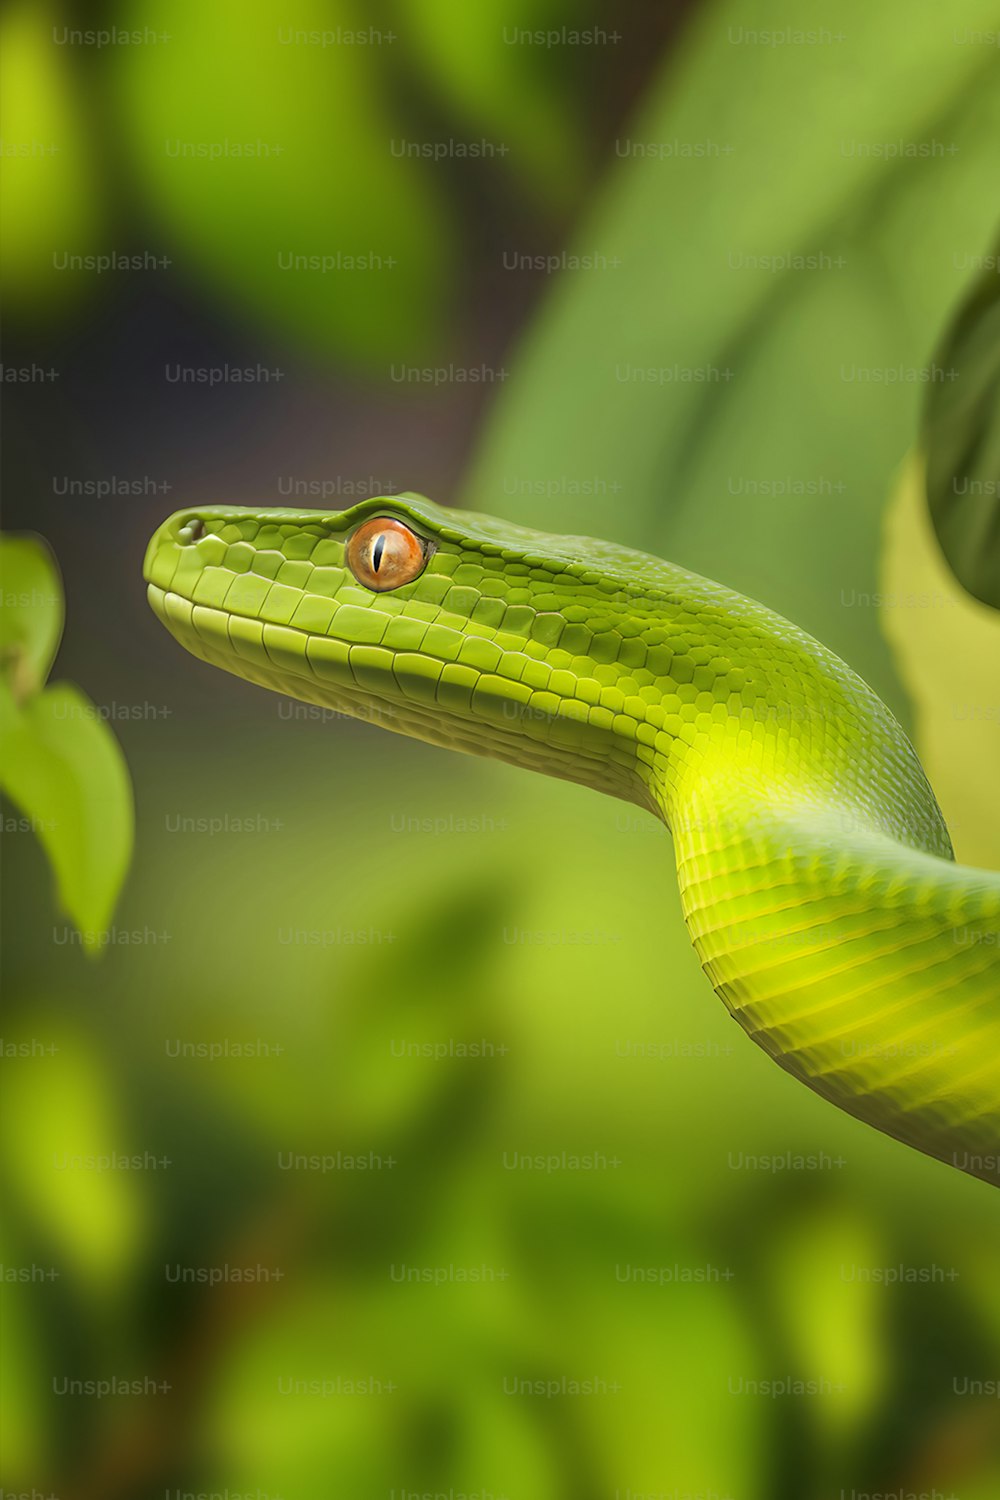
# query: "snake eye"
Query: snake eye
384,554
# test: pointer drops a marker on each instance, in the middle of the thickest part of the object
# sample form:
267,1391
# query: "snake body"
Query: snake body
816,873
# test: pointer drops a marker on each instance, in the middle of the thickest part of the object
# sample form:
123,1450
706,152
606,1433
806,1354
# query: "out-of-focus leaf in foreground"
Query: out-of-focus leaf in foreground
962,441
60,762
31,618
65,770
261,136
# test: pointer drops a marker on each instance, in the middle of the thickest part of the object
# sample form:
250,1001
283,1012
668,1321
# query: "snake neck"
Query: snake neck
821,895
795,732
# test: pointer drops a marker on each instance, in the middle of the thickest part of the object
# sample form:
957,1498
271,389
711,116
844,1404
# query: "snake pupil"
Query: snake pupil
377,551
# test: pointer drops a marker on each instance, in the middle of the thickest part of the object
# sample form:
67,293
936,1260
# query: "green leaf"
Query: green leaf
31,612
61,1161
50,183
260,144
828,1312
514,90
64,769
962,440
947,650
703,399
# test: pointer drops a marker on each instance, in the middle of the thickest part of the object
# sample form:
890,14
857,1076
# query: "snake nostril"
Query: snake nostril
192,530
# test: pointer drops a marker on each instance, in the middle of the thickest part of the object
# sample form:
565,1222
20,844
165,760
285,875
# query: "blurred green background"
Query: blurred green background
446,1172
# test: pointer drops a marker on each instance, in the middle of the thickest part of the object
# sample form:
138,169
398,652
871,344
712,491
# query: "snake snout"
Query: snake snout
182,529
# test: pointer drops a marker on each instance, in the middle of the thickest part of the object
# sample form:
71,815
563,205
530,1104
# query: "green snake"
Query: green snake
816,874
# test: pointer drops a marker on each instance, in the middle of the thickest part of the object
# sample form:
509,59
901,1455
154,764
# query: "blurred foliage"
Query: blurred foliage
51,192
947,649
31,622
512,92
60,763
315,177
705,358
344,924
257,939
962,441
306,167
67,1106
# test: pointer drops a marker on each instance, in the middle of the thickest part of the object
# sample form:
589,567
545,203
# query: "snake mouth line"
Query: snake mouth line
180,613
337,677
207,633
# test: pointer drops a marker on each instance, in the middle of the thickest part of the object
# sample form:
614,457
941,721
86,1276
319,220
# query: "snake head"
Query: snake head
453,627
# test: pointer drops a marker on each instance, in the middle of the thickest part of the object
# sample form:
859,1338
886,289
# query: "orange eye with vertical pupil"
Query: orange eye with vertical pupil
384,554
